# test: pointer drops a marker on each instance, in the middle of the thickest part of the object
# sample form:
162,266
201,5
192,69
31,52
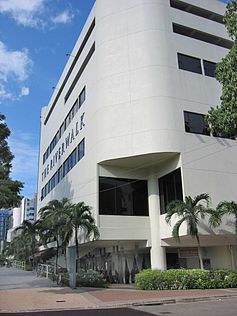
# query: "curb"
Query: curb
183,300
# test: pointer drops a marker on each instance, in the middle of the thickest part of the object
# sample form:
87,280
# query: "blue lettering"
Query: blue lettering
72,136
63,150
82,124
67,139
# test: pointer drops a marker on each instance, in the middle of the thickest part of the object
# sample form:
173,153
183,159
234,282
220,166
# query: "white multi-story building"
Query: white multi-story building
125,132
29,208
27,211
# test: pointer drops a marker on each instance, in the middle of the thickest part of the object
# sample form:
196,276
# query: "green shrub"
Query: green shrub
64,279
90,278
28,267
181,279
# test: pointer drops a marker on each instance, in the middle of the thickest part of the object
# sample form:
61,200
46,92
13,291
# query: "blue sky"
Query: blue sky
35,36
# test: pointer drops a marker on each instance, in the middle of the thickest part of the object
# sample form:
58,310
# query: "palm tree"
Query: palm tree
228,208
189,211
18,248
81,220
224,207
53,223
29,233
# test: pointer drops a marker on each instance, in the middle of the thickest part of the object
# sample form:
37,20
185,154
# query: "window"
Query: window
60,174
209,68
82,97
184,6
80,71
72,160
42,194
68,164
195,123
202,36
170,187
61,130
83,44
65,167
123,197
81,149
189,63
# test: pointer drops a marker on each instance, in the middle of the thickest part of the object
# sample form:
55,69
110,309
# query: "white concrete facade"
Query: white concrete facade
132,121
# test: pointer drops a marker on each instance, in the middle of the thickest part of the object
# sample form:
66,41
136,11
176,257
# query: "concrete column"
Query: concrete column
72,266
158,253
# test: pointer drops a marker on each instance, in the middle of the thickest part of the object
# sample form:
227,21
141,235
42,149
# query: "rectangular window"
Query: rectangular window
72,160
83,44
81,149
61,130
82,97
195,123
65,167
201,36
60,174
209,68
170,188
189,63
123,197
42,194
73,112
80,71
187,7
57,137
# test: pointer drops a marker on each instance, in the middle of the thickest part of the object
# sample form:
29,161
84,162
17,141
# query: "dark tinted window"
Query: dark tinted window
71,68
184,6
195,123
189,63
60,174
170,187
82,97
123,197
201,36
107,196
81,149
209,68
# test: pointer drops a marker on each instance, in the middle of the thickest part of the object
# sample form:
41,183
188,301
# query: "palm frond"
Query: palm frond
175,231
202,197
174,208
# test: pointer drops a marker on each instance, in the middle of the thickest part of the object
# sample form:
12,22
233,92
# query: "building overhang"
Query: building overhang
211,240
138,161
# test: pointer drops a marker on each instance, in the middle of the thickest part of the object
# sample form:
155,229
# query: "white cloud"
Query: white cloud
24,91
14,66
64,17
24,12
34,13
4,94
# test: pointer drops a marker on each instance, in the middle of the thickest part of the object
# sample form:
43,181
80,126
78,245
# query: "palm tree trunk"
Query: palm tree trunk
199,252
77,250
65,257
56,260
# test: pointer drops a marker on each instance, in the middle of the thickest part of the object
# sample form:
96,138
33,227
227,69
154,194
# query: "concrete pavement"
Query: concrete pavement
33,296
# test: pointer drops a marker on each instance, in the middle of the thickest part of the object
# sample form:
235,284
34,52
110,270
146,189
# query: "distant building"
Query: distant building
28,209
6,221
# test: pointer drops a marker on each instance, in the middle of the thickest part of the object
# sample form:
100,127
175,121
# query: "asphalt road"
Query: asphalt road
91,312
225,307
18,279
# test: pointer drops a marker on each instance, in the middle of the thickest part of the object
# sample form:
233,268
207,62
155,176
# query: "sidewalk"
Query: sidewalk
58,298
